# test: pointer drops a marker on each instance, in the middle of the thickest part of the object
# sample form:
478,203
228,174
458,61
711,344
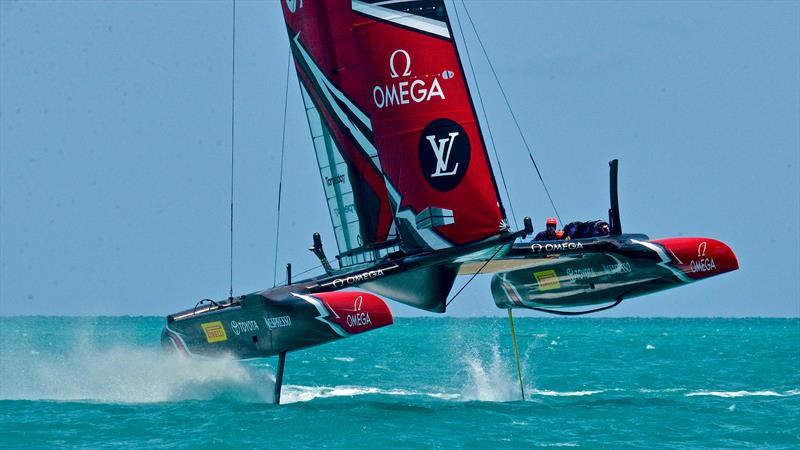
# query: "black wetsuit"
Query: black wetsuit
543,236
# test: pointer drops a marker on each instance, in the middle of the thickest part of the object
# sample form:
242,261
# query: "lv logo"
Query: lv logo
441,150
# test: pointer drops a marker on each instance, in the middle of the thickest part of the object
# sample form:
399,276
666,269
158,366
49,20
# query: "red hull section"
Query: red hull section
356,311
700,258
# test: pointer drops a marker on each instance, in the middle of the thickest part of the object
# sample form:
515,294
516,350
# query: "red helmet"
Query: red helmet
551,221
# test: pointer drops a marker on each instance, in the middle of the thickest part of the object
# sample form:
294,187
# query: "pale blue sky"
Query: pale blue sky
115,128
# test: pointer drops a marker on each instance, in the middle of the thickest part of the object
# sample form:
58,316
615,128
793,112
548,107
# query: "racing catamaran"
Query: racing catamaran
413,199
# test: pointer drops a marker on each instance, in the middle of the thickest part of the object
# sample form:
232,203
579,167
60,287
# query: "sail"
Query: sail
320,35
424,125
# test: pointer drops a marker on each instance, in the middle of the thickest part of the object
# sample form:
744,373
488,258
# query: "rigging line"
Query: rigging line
233,115
508,105
280,177
474,275
486,117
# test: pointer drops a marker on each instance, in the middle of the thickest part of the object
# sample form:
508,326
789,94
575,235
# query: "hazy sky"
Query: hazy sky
115,134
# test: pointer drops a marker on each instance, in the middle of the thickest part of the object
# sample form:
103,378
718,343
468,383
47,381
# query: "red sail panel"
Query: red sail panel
425,128
320,36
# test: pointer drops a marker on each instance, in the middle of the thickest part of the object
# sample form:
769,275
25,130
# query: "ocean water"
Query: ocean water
103,382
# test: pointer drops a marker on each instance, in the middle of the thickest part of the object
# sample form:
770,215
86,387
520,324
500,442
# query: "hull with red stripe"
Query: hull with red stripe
558,274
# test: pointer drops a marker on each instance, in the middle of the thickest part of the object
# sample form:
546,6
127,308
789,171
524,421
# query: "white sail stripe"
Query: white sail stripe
320,77
665,259
425,24
340,95
390,2
427,235
323,314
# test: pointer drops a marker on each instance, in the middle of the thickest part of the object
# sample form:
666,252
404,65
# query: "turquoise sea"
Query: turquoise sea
103,382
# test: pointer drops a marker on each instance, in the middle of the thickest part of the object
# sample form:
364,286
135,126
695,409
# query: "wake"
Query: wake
126,374
129,375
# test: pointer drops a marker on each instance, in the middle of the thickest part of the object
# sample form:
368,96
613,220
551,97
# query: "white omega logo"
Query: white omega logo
402,90
393,67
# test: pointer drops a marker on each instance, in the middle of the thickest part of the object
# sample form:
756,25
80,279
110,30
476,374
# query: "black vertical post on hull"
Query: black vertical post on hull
613,212
276,398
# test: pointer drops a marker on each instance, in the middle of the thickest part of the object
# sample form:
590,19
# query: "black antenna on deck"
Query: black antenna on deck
613,213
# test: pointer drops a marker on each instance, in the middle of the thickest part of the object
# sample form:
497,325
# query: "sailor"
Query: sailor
570,230
601,229
549,233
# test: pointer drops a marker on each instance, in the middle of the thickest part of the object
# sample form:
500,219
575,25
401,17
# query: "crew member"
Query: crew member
549,233
601,229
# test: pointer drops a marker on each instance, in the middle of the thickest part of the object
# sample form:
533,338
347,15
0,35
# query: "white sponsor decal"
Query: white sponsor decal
358,318
612,269
357,278
702,265
405,92
442,151
347,209
335,180
566,245
243,327
580,274
278,322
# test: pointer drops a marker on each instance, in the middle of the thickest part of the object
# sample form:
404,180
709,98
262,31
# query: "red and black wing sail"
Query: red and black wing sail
424,125
321,39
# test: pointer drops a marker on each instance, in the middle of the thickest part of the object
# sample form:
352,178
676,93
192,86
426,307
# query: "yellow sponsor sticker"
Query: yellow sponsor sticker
547,280
214,331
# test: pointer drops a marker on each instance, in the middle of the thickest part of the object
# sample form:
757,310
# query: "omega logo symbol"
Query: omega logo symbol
404,89
701,250
392,66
